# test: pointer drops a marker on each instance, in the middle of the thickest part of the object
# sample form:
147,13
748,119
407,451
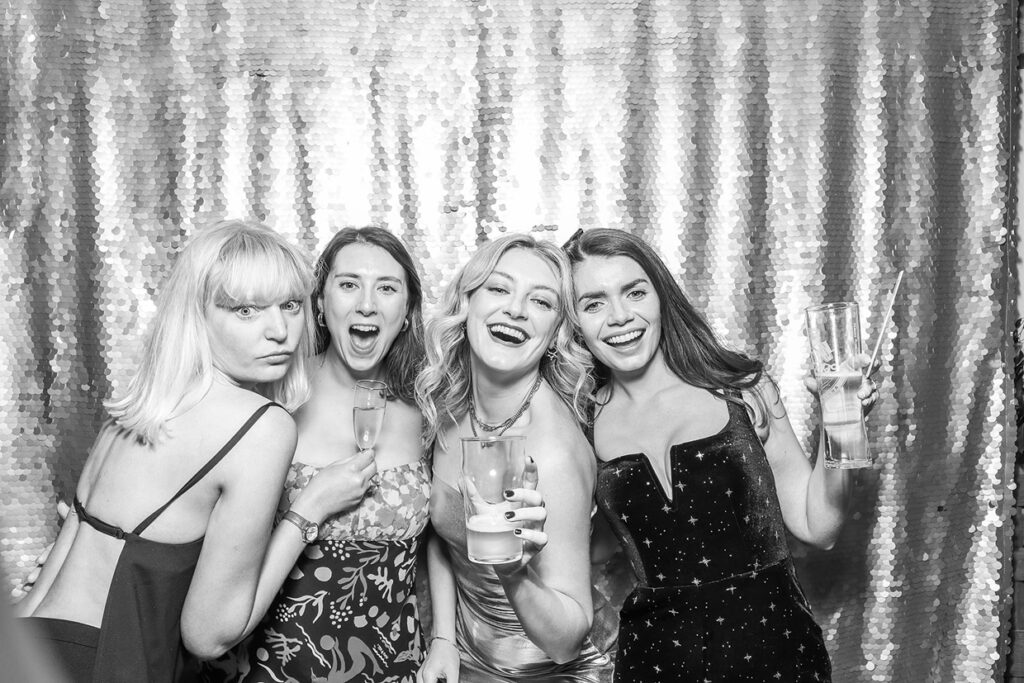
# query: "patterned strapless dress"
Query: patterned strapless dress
348,611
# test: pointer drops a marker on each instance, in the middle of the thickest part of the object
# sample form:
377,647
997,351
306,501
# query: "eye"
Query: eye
388,289
346,285
544,304
497,289
246,311
637,294
591,306
293,306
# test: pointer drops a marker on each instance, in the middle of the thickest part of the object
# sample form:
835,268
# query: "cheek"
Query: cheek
589,330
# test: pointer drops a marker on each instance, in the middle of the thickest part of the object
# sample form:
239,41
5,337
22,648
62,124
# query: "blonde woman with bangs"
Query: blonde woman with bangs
502,359
165,546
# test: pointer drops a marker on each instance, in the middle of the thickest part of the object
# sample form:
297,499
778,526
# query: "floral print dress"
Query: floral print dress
348,610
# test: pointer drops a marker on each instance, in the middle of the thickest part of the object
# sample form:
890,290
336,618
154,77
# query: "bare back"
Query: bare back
123,483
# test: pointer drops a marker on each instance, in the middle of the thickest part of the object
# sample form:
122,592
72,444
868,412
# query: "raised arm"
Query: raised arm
814,500
551,591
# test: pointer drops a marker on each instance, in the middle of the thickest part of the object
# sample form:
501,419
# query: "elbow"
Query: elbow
204,650
822,541
565,651
208,645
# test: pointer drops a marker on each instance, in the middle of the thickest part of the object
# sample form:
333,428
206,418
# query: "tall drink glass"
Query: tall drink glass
490,465
369,402
834,333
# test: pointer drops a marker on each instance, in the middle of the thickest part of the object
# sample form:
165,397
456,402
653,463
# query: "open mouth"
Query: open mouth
508,334
624,339
364,335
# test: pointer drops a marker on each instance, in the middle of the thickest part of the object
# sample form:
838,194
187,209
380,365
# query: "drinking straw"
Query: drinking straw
885,322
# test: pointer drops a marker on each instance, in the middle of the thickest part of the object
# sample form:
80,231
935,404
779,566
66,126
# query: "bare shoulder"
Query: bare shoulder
408,418
557,436
228,409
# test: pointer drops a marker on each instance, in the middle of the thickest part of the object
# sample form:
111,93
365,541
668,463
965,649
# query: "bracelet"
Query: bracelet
447,640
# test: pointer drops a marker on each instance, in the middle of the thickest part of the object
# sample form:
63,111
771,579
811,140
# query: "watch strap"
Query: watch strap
305,526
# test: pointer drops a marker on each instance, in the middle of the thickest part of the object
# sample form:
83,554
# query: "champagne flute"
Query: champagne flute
371,398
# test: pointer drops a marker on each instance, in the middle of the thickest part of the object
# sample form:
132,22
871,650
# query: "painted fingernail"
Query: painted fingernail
509,514
517,532
509,493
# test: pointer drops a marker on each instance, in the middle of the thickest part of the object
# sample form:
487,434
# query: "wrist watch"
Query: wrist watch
310,530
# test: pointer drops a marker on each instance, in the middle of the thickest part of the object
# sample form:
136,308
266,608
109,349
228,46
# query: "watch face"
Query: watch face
310,533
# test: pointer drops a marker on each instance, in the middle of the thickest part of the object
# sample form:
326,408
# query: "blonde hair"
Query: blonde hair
228,263
443,387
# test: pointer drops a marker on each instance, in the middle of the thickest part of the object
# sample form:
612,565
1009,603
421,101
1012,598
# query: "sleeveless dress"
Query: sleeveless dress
717,598
139,638
348,612
491,641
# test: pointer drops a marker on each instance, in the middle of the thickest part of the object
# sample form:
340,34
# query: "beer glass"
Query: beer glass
490,465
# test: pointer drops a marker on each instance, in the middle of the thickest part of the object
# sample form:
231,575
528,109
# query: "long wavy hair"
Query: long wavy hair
692,350
443,387
403,360
227,264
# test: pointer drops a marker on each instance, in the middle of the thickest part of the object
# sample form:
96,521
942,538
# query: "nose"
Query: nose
366,304
619,313
515,308
276,328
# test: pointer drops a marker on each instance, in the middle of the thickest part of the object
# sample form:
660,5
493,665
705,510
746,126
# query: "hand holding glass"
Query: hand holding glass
834,333
371,399
490,466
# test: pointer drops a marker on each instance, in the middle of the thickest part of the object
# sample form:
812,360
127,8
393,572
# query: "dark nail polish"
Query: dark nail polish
509,493
509,514
517,532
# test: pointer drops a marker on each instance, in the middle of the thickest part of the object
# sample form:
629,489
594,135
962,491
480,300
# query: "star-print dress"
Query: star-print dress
717,597
348,611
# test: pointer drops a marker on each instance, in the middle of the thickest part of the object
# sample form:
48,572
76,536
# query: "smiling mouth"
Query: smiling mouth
624,339
508,334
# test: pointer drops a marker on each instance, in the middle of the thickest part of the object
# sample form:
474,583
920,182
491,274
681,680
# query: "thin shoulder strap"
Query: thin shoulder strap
210,464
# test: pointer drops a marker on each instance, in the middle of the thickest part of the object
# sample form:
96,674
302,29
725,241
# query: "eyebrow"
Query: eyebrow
598,294
354,276
505,275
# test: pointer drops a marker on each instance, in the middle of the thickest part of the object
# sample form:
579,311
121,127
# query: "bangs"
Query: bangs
254,274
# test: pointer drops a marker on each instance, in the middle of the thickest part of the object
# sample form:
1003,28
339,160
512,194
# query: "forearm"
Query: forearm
442,589
551,619
285,548
828,498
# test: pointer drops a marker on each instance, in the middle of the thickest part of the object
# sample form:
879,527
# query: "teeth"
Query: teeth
625,338
509,331
364,328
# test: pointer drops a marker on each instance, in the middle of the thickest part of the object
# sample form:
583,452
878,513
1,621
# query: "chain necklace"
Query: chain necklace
475,421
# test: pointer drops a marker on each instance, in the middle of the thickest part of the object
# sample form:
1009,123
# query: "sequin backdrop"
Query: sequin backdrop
777,154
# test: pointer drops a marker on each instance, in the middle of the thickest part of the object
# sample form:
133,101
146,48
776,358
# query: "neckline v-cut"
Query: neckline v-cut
669,496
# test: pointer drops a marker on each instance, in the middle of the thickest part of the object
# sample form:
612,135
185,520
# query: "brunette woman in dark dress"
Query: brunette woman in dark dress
700,474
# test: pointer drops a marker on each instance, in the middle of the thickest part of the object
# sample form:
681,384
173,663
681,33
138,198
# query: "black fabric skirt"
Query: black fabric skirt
72,643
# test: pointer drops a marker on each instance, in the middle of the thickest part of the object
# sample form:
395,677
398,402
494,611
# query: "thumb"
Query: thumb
530,474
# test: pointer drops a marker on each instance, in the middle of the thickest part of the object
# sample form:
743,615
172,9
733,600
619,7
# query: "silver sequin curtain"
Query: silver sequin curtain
778,154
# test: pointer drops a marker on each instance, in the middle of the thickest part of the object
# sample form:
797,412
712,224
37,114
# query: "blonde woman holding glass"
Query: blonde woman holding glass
502,360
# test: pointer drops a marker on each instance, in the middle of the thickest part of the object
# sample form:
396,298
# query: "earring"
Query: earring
405,325
552,354
320,319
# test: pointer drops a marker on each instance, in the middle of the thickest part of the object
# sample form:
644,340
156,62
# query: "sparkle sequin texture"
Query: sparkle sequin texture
776,154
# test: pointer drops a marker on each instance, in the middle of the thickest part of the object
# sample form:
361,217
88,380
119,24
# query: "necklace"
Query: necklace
475,421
